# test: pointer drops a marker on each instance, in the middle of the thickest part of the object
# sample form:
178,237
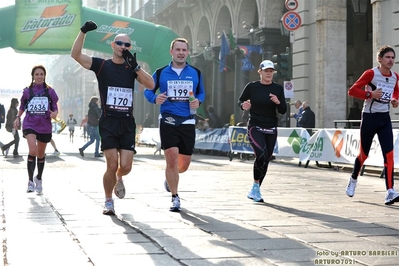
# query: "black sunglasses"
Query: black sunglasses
120,43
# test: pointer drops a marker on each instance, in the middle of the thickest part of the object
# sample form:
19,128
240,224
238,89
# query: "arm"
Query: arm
394,100
299,114
54,101
243,101
76,52
145,79
149,93
282,106
357,90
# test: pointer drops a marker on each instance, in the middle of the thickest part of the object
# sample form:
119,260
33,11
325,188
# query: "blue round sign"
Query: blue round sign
291,21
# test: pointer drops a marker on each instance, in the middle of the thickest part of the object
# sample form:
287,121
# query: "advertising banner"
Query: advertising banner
51,27
215,139
46,25
238,139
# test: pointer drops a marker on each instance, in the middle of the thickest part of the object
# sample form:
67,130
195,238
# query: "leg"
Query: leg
16,143
172,168
109,180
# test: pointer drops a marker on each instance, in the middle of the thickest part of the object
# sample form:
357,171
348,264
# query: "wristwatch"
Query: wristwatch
138,67
368,95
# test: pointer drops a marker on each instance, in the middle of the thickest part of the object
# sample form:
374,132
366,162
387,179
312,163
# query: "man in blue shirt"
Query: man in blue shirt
177,127
297,116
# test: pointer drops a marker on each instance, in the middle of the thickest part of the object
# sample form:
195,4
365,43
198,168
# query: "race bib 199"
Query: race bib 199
179,90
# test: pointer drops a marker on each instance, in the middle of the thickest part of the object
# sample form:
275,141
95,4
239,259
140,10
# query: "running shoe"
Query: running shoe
56,153
350,189
166,185
31,187
109,207
5,151
254,194
38,185
391,197
81,152
119,189
175,204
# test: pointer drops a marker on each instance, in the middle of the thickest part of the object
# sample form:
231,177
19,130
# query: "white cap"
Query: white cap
266,64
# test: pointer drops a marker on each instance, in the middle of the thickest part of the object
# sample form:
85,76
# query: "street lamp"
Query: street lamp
359,7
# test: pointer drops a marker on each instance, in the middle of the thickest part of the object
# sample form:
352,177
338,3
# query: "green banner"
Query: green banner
46,26
51,26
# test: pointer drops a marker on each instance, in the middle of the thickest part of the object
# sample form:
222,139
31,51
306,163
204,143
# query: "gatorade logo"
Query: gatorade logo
337,142
52,17
118,27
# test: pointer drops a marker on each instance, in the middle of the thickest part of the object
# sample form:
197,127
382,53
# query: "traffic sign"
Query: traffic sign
291,4
291,20
288,89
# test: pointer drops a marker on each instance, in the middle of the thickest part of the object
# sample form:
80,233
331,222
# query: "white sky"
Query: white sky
15,67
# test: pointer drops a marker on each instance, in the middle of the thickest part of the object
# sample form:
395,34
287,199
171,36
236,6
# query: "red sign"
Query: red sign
291,4
291,20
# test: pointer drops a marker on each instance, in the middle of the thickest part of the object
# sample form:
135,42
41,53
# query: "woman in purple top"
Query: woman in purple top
39,102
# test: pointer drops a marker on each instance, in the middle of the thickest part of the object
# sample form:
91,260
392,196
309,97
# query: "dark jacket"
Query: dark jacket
214,121
308,119
11,114
93,114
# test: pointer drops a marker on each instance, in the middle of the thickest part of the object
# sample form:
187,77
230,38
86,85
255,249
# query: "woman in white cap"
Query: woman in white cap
263,98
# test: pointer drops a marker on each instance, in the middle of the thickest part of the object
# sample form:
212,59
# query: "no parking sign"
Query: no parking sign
288,89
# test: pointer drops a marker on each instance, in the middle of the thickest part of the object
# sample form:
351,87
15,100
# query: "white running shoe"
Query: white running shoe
119,189
175,204
350,189
391,197
56,153
31,187
109,207
38,185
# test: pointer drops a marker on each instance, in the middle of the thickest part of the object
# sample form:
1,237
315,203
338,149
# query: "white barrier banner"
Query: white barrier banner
290,141
327,145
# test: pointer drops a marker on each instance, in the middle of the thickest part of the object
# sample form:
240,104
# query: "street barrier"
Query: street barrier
328,145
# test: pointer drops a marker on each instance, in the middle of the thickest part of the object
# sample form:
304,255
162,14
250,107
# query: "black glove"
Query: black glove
130,59
88,26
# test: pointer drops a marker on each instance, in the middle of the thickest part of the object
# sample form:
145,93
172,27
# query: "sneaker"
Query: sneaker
254,194
391,197
56,153
81,152
166,185
98,155
350,189
31,187
175,204
38,185
5,151
119,189
109,208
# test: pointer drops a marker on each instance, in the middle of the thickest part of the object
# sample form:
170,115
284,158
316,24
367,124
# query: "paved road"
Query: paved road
306,218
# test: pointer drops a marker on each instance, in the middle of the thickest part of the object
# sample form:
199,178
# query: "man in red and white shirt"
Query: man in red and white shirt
378,87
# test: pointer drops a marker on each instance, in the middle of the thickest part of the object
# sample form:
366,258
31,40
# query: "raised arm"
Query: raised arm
76,52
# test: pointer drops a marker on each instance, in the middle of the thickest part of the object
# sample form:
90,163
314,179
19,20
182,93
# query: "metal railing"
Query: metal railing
356,123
